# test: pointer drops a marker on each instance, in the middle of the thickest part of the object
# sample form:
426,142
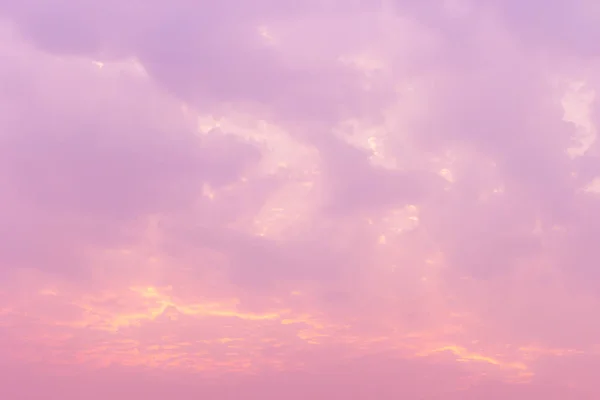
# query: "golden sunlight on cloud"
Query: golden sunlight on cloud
153,326
263,190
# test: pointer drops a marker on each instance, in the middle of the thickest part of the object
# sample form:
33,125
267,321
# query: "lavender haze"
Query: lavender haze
318,199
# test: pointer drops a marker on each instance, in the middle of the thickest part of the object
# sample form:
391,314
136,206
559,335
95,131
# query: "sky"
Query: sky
317,199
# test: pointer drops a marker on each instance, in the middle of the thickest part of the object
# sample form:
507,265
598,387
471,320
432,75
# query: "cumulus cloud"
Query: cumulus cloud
88,153
397,194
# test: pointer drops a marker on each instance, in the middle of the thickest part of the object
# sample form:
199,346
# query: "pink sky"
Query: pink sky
318,199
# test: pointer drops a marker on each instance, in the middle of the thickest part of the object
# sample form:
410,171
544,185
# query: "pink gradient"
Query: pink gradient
299,200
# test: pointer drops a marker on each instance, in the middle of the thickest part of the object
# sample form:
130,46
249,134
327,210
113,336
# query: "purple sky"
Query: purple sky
318,199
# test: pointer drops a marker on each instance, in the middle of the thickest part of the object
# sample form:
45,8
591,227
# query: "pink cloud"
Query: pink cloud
366,200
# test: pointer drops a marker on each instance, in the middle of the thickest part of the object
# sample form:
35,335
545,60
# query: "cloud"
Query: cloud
88,153
370,199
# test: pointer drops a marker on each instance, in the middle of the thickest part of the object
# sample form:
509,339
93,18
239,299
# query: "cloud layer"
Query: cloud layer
374,199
